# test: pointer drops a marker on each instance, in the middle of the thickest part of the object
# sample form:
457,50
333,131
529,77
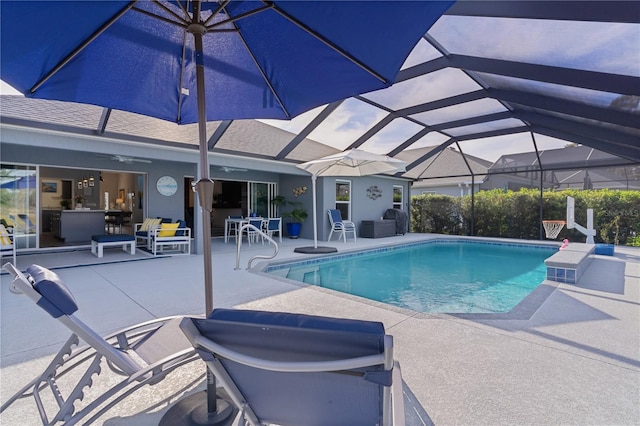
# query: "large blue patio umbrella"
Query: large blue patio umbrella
192,61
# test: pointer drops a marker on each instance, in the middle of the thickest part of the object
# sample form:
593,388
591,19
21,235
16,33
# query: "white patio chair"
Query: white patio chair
340,226
274,224
255,231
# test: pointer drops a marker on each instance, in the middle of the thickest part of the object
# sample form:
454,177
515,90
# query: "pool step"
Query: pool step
308,275
569,264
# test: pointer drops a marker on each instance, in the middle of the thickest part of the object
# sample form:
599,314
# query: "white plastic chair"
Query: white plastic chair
274,224
254,233
340,226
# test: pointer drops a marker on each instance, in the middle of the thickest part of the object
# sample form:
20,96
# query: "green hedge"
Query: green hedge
516,214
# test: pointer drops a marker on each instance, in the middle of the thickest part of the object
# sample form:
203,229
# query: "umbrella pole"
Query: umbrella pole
315,249
191,410
315,219
217,413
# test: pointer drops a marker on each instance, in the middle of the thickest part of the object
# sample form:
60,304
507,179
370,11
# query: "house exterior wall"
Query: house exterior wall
362,207
42,148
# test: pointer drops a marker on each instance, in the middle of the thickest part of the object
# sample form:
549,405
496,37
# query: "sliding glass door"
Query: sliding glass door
260,196
18,202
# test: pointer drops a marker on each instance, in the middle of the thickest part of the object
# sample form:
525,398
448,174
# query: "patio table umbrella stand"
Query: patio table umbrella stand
354,162
241,59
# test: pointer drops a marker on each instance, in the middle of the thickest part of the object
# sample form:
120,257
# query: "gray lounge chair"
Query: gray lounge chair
291,369
141,354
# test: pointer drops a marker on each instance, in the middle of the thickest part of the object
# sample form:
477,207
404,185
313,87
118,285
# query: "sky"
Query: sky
6,89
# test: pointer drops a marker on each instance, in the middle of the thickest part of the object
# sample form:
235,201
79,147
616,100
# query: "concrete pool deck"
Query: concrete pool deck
575,360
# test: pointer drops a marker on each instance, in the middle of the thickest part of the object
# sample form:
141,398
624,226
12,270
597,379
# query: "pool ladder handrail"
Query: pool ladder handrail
258,256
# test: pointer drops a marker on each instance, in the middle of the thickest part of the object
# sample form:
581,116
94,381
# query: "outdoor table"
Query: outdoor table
237,222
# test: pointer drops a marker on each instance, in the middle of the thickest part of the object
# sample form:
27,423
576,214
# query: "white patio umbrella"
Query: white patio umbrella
354,162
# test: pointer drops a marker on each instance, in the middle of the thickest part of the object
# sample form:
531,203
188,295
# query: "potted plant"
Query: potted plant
65,204
294,217
79,200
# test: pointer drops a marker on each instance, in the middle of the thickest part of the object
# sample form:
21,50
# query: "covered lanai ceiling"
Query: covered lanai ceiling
488,79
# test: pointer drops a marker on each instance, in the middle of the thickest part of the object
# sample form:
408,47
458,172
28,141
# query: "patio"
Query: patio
576,360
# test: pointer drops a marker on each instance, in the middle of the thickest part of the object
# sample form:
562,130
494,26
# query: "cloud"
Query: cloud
6,89
347,123
594,46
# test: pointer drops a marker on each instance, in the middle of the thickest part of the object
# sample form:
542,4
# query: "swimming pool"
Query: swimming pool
440,276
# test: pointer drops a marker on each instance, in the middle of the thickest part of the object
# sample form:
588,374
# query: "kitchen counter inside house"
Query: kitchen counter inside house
77,226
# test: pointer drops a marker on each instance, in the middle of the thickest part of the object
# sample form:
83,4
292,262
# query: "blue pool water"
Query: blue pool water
441,276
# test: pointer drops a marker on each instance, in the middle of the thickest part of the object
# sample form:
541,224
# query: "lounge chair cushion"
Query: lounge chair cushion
297,320
168,229
149,223
112,238
243,329
56,299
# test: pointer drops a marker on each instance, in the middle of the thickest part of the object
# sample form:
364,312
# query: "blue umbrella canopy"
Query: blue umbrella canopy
260,59
193,61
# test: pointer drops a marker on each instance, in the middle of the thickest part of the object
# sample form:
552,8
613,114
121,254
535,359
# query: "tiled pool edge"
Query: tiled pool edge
269,267
568,265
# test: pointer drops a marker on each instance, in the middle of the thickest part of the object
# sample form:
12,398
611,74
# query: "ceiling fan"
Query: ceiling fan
125,159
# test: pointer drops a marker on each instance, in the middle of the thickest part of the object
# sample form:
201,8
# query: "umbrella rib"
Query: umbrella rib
81,47
221,6
262,73
172,13
231,20
182,24
332,45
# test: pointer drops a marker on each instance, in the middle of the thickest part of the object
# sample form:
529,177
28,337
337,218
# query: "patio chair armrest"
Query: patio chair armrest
397,396
186,233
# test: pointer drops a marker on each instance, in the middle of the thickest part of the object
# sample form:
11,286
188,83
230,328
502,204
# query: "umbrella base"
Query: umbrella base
315,250
192,410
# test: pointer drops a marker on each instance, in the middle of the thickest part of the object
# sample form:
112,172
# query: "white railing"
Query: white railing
258,256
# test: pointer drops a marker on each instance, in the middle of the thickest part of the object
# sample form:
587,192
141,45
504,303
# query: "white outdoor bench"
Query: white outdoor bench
99,242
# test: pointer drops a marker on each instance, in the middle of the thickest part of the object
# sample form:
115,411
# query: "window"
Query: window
343,198
397,197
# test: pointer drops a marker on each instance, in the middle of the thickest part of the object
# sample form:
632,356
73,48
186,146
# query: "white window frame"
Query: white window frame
343,203
398,204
